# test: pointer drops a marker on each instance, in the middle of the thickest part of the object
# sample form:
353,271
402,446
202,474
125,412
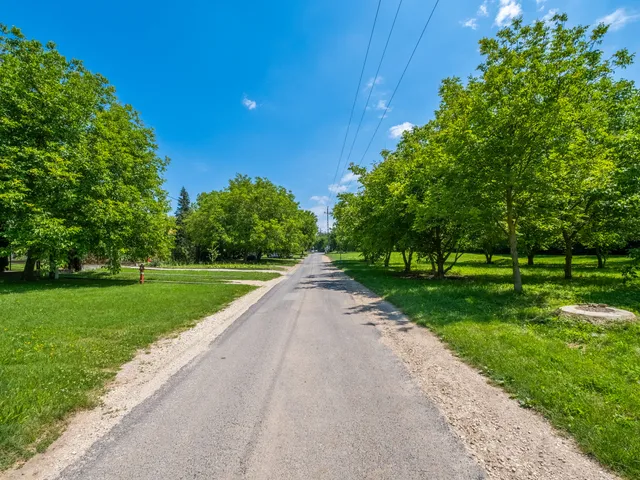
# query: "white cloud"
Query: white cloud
619,19
375,81
382,105
348,178
320,199
549,15
540,4
472,23
336,188
483,10
250,104
342,186
397,130
509,9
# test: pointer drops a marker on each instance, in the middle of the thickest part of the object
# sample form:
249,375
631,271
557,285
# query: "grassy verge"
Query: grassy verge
585,379
60,342
265,264
178,276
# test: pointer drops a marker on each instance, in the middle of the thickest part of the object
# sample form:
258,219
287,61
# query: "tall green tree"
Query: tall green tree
613,219
384,217
204,227
250,218
182,250
308,229
122,209
441,219
47,103
349,225
528,126
78,171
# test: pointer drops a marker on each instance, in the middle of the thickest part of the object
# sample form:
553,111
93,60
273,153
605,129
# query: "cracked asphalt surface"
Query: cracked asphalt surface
299,387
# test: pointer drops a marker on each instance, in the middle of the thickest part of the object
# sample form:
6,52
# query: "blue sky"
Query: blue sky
265,88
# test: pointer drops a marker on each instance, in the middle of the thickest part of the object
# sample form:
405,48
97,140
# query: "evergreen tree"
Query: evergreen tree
182,251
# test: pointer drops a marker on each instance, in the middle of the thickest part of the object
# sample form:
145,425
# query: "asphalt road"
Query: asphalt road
299,387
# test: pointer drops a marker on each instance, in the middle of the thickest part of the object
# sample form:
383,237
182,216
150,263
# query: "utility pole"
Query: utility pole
327,219
328,241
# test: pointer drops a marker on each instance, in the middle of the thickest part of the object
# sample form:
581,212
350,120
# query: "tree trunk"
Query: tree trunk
513,243
52,268
601,259
75,263
568,255
387,258
4,260
407,260
489,258
28,273
530,259
433,264
440,271
439,254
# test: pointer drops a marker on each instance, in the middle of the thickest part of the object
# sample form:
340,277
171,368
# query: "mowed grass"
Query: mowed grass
177,276
585,379
60,342
264,264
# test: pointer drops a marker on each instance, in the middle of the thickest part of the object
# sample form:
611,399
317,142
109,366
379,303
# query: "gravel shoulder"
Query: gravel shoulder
136,381
508,441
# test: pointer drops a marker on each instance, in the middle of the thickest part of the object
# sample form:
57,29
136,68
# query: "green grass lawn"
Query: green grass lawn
60,342
178,276
264,264
585,379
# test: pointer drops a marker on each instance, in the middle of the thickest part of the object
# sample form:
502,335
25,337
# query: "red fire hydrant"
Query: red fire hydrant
141,273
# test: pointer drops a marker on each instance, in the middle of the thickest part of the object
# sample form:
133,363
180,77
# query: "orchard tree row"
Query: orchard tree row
246,220
79,173
540,147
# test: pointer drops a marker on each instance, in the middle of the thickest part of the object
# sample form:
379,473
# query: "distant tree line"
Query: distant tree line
247,220
540,148
325,242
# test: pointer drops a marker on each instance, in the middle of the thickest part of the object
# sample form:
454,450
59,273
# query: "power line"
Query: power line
355,99
398,85
364,110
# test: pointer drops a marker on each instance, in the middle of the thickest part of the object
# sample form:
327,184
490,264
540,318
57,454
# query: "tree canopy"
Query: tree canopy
250,218
78,170
540,147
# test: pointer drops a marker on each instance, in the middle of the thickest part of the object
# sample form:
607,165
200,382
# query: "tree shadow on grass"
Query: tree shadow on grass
502,275
481,298
441,301
12,283
17,285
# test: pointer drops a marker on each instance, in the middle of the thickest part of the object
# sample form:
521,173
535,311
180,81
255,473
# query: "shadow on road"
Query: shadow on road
333,279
